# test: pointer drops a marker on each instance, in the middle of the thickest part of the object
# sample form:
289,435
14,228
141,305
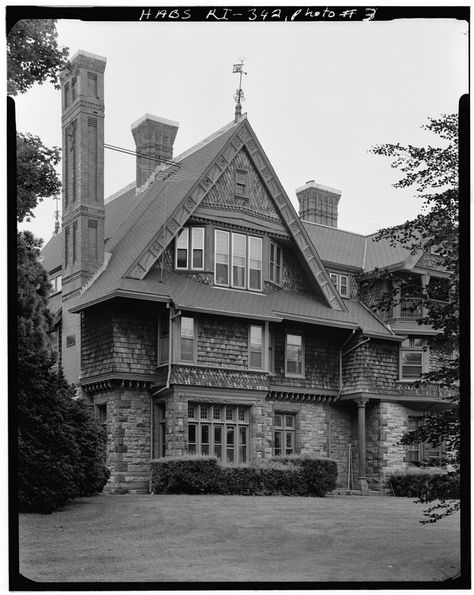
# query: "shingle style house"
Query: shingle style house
199,313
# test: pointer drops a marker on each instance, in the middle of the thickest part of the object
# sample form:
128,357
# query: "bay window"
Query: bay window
245,254
164,335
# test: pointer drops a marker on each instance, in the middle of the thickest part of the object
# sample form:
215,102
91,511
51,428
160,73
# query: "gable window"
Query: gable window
284,434
255,263
187,339
241,181
294,355
256,346
164,336
190,248
412,358
275,263
341,283
219,430
197,247
222,253
239,251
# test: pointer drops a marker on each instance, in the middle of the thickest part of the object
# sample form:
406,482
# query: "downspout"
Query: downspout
339,391
167,385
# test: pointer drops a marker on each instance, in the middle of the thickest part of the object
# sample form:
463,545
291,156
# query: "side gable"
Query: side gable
242,135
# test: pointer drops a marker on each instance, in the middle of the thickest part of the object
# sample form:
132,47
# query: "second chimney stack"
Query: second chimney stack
154,137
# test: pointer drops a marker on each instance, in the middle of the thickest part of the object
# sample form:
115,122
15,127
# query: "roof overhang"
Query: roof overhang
134,295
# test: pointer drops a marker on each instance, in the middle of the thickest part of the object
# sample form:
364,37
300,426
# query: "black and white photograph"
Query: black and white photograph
238,282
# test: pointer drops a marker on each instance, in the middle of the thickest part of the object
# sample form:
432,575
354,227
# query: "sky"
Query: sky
318,96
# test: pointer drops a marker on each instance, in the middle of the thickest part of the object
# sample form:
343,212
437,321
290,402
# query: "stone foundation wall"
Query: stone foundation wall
341,436
394,424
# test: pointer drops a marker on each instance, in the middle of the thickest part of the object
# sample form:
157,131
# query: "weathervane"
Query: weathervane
239,94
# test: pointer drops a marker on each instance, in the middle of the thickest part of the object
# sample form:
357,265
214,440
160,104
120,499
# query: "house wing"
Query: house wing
172,199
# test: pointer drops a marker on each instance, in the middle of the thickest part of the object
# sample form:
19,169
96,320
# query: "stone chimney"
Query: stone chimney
318,204
154,137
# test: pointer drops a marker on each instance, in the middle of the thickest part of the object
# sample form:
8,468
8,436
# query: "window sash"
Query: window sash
182,248
256,347
239,253
284,435
221,257
343,285
197,248
255,263
294,355
187,339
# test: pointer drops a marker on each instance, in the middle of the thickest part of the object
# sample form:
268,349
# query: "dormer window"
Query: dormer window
190,249
241,183
341,283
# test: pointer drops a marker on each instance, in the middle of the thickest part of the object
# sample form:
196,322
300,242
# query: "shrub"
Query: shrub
320,475
426,486
198,474
186,475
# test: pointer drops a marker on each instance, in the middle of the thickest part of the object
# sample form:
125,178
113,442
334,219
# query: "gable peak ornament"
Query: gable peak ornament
239,94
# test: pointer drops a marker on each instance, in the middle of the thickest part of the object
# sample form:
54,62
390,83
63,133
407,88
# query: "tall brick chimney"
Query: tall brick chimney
154,137
318,204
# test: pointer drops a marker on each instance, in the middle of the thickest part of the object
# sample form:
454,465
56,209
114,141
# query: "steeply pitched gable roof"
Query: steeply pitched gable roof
167,204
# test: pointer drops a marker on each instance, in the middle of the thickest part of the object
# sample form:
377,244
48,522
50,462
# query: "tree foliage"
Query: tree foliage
60,445
37,177
33,55
432,172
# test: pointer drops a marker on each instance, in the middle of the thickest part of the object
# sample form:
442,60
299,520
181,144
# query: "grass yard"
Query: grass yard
238,538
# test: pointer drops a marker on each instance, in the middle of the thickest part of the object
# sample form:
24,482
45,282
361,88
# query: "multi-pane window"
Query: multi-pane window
256,346
187,339
341,283
284,433
412,358
294,356
164,338
101,413
241,182
271,351
245,254
425,453
190,248
219,430
275,263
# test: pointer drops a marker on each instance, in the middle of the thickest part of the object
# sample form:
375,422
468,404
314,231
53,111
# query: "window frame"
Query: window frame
224,423
260,242
285,430
227,233
421,350
241,174
336,279
262,347
161,337
190,249
275,263
194,339
245,257
291,374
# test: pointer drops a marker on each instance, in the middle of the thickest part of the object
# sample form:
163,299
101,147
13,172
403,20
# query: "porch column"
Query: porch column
364,488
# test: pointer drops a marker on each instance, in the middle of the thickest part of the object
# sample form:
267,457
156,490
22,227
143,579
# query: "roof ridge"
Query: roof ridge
120,192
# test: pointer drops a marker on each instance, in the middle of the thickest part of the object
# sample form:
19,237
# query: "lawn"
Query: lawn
238,538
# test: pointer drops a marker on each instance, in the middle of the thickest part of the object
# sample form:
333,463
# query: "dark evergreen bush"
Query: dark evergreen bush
198,475
426,486
320,475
